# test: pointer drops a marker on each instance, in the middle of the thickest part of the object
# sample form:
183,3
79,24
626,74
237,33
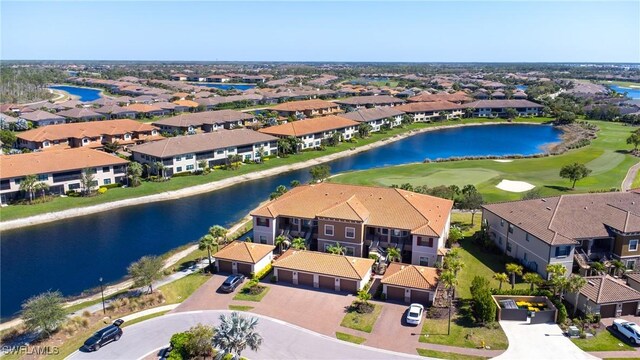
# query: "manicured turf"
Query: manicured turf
179,290
240,307
463,334
603,341
241,295
607,157
636,181
143,318
447,355
362,322
350,338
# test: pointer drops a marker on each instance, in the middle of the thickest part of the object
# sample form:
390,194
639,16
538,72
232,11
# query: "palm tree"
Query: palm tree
573,285
208,242
235,333
134,174
42,187
28,185
556,276
454,264
514,269
112,147
298,244
618,267
280,240
218,232
450,282
500,277
393,254
336,249
532,279
158,167
598,268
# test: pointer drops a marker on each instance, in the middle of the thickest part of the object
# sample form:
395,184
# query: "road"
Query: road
281,340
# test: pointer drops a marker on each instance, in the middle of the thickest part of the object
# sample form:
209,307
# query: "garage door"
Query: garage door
395,293
349,286
327,282
244,269
420,297
305,279
607,311
285,276
629,308
224,266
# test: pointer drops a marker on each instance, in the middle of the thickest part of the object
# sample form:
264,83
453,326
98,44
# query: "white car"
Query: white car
414,315
630,330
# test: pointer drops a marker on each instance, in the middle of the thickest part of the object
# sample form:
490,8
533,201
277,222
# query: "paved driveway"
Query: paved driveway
539,341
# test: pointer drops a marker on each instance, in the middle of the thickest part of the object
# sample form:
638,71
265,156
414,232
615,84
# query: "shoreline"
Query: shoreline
220,184
76,97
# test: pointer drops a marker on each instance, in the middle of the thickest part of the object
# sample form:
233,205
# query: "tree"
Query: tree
44,312
574,284
455,235
294,183
198,343
134,174
393,254
218,232
88,180
574,172
598,267
202,165
280,190
320,172
532,279
484,308
145,271
566,117
298,244
28,185
511,113
513,269
453,262
234,161
471,200
336,249
531,194
8,138
41,187
208,242
450,282
334,139
235,333
364,129
158,168
556,276
111,146
284,147
279,241
618,266
500,277
634,139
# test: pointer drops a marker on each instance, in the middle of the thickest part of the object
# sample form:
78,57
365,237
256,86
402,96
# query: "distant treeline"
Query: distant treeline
27,84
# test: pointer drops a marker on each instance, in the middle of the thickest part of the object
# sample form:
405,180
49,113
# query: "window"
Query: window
384,231
511,228
189,156
295,221
107,181
350,232
105,169
633,245
526,237
508,246
17,181
43,177
74,186
502,222
220,152
179,169
189,167
397,232
262,222
424,261
263,239
423,241
563,251
328,230
631,264
178,158
350,251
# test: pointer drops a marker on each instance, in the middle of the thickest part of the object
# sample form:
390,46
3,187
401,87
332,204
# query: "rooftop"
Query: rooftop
309,126
605,289
364,100
304,105
243,251
413,276
365,115
84,129
326,264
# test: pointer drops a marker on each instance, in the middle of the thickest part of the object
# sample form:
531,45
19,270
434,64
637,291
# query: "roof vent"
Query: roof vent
585,208
543,200
591,283
548,208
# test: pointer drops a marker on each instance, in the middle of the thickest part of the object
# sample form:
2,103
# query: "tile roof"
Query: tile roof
376,206
85,129
187,103
143,108
304,105
55,161
347,267
503,104
412,276
309,126
39,115
78,113
374,99
457,97
201,142
564,219
605,289
204,117
244,251
114,109
429,106
365,115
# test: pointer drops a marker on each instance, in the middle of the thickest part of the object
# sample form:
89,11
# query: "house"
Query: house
557,230
498,95
496,108
179,77
633,279
361,102
116,112
60,169
323,271
312,132
606,296
376,117
218,78
457,97
410,283
241,257
432,111
42,118
81,114
184,153
363,219
306,108
90,134
254,79
148,110
206,121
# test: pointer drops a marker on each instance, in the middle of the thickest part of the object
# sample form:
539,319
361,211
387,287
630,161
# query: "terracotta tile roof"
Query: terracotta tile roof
605,289
204,117
376,206
44,162
244,251
365,115
309,126
39,115
503,104
187,103
457,97
374,99
412,276
429,106
565,219
143,108
347,267
85,129
304,105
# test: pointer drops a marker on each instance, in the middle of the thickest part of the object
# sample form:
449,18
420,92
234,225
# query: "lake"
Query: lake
70,255
222,86
83,94
633,93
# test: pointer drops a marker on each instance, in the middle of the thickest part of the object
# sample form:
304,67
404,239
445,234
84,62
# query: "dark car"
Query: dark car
104,336
231,283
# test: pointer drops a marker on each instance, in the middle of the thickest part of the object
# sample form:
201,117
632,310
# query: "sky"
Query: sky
389,31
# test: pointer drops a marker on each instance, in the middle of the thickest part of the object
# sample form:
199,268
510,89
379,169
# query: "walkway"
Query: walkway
631,175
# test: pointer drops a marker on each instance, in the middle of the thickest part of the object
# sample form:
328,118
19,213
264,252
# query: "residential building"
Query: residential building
459,97
376,117
206,121
42,118
81,114
116,112
607,296
306,108
368,102
242,257
148,110
179,77
498,108
312,132
363,219
432,111
183,153
410,283
61,170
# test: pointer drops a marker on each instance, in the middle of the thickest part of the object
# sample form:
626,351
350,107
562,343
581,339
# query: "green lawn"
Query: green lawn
143,318
448,355
607,157
179,290
362,322
636,181
244,295
463,334
622,83
240,307
603,341
350,338
75,342
82,305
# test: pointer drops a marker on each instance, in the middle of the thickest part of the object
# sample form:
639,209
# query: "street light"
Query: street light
104,309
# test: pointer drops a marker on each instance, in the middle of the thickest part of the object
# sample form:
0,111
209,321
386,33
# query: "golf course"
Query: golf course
608,157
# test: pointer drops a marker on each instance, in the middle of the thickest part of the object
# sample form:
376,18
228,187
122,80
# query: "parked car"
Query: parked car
628,329
231,283
414,315
104,336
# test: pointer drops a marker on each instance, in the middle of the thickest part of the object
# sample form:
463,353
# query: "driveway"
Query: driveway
539,341
281,340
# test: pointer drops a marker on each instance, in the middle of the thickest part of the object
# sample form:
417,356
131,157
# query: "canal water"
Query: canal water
222,86
70,255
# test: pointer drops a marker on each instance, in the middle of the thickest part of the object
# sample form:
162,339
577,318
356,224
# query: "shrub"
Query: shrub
181,174
484,308
274,279
102,190
86,313
263,273
178,342
111,186
562,311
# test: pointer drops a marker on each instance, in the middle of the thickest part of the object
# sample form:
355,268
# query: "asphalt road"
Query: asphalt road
281,340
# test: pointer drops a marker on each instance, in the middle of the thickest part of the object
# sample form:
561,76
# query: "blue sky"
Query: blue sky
454,31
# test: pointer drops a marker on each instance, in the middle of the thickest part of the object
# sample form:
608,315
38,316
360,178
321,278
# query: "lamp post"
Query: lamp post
104,309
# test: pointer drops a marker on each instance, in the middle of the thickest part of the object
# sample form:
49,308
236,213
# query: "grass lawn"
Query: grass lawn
607,157
623,83
362,322
603,341
244,295
179,290
636,181
447,355
143,318
82,305
74,343
350,338
240,307
463,333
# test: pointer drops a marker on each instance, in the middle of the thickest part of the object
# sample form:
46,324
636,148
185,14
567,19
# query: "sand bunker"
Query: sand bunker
503,160
514,186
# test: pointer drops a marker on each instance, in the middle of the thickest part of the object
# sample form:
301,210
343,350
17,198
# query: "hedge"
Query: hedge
263,273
